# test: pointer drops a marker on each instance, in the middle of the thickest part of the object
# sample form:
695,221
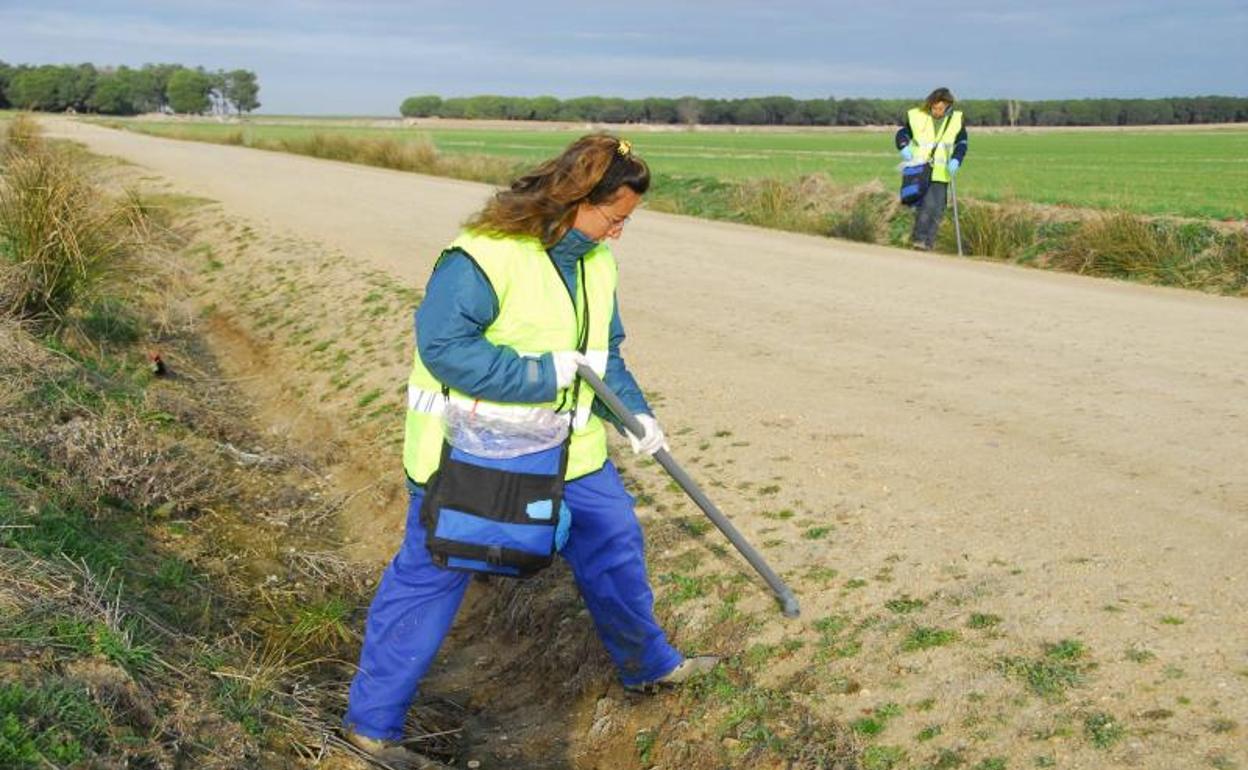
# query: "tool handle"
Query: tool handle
783,593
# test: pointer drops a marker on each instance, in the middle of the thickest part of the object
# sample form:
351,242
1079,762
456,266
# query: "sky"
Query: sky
365,57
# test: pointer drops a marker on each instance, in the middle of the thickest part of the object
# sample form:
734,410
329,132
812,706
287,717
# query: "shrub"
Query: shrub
863,220
1228,270
990,230
60,235
1120,245
22,136
773,203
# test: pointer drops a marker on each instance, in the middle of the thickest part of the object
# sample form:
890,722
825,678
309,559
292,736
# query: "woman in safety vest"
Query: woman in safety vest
933,133
515,304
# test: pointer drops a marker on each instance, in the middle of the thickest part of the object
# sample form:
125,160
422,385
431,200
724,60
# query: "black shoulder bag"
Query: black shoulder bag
499,516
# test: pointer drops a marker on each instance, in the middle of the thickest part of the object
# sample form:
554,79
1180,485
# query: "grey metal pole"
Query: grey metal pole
784,594
957,224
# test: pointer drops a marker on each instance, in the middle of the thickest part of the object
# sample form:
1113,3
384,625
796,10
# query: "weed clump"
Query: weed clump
1062,665
51,722
1103,730
59,235
1004,232
1120,245
864,219
924,637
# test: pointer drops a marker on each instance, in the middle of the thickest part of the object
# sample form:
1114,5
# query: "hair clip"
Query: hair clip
625,147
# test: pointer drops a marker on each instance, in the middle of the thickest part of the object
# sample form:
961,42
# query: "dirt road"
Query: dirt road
1075,448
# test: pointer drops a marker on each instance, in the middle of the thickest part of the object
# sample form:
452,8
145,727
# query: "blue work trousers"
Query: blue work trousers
416,604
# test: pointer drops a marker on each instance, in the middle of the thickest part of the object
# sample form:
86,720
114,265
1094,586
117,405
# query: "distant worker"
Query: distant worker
933,133
523,297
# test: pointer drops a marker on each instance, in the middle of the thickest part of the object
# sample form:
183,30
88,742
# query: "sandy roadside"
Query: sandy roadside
1067,444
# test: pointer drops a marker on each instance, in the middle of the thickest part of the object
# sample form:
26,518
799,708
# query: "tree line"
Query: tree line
127,91
787,111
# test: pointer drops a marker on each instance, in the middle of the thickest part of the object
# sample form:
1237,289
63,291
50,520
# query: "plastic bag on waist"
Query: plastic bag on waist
502,431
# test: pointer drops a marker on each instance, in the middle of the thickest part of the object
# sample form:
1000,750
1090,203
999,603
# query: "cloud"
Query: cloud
377,51
145,33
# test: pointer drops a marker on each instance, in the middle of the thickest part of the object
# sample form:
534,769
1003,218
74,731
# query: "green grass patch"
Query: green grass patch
837,639
683,588
945,759
928,733
111,321
53,723
1221,726
692,525
781,515
904,605
368,398
875,723
323,625
925,638
883,757
981,621
1062,665
644,743
1169,171
243,704
823,575
1103,730
1139,655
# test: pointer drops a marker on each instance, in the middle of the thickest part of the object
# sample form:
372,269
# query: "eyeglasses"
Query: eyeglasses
612,223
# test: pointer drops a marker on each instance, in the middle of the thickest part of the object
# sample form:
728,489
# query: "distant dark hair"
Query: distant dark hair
939,95
543,202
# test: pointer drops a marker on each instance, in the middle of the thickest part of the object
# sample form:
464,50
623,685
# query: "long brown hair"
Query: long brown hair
542,203
938,95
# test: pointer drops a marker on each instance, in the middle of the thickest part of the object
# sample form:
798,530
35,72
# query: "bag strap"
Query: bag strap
582,340
944,129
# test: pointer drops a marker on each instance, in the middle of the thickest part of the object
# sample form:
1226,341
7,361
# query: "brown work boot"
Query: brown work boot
392,753
688,669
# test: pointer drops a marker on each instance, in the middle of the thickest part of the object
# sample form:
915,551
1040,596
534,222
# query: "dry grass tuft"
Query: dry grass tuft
800,205
863,214
1227,271
22,136
1120,245
998,231
116,455
58,236
419,156
61,239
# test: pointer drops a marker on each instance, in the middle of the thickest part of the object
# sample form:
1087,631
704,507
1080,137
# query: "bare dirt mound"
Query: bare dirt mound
1012,503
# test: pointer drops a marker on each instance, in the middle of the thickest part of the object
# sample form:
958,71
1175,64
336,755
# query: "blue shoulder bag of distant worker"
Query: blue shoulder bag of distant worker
917,177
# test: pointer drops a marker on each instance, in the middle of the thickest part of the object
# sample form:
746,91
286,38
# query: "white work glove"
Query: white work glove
566,362
653,441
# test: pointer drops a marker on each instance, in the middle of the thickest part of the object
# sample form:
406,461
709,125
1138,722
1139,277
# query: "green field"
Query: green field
1191,173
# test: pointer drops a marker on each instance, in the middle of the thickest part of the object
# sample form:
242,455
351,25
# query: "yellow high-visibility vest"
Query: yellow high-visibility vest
923,136
536,315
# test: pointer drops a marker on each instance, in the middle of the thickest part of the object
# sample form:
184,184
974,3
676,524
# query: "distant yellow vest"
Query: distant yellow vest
536,315
923,133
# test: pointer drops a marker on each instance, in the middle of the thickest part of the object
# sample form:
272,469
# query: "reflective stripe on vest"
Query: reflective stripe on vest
535,313
923,134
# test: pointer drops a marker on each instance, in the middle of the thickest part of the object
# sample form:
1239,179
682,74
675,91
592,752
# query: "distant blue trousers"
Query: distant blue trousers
416,604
